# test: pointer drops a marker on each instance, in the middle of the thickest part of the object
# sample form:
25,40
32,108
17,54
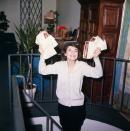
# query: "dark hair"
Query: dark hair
73,44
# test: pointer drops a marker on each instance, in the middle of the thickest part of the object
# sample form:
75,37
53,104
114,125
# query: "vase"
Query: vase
29,94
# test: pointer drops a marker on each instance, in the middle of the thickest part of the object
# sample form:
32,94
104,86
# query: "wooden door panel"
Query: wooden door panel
111,17
111,40
92,21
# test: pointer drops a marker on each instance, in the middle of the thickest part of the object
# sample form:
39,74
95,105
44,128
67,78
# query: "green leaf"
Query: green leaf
27,37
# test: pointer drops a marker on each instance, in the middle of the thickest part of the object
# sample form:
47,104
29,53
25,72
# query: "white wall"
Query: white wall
69,13
11,9
121,30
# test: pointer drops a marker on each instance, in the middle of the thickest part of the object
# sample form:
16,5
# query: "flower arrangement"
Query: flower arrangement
61,31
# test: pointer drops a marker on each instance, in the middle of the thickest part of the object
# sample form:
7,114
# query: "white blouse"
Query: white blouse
69,84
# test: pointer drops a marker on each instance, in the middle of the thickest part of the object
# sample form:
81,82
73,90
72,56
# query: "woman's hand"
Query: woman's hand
45,33
97,52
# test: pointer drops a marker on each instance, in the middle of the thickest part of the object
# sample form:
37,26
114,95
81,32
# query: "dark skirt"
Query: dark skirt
71,118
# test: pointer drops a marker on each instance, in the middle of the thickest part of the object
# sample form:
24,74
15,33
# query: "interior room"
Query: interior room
28,99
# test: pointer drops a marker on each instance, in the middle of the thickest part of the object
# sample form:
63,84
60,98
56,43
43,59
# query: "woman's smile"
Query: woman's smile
71,53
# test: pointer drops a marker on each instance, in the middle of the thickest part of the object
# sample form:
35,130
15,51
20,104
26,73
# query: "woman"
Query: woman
70,73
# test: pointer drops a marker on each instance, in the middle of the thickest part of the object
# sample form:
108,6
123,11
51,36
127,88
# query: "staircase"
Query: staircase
44,112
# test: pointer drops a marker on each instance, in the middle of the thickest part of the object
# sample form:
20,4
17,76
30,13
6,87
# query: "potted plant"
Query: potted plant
27,45
26,38
4,22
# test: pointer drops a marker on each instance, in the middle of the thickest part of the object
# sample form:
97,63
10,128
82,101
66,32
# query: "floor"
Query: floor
94,114
89,125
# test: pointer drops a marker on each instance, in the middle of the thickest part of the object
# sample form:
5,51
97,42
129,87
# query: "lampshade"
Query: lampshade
49,17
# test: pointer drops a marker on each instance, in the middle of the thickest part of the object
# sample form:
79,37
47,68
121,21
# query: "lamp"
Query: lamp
50,19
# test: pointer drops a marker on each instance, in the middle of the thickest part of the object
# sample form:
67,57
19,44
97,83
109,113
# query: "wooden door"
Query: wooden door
110,22
103,18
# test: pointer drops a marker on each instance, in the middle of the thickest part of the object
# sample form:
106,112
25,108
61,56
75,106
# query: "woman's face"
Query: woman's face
71,53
